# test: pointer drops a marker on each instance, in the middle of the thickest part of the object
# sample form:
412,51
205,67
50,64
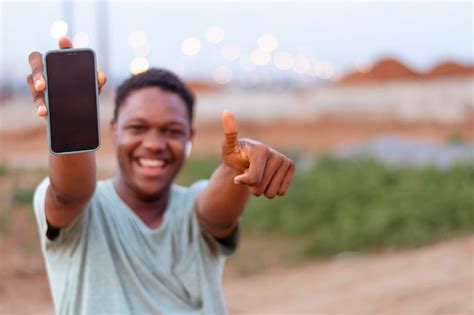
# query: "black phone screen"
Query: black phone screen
72,101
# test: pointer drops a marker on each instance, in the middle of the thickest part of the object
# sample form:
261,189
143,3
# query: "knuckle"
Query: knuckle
252,181
37,98
266,151
285,164
37,74
280,161
263,150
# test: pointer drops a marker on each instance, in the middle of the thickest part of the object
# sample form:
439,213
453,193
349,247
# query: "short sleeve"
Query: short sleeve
66,234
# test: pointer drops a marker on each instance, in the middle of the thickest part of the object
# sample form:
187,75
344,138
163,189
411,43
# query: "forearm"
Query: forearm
222,202
72,177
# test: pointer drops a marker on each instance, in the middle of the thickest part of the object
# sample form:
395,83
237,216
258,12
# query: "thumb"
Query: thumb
230,129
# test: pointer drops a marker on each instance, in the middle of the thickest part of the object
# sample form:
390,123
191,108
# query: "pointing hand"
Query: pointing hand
264,170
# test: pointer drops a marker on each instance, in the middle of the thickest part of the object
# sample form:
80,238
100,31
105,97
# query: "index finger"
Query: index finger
35,59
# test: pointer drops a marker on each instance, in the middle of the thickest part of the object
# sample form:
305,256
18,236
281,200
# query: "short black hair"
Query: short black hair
161,78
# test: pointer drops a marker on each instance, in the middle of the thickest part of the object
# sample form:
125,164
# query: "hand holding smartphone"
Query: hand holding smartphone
65,85
71,98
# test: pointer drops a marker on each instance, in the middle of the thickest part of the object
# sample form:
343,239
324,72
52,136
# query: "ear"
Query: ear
113,132
189,144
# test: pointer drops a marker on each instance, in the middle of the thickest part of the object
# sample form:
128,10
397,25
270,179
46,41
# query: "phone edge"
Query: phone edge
46,99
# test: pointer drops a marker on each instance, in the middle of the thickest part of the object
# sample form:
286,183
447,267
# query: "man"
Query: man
137,244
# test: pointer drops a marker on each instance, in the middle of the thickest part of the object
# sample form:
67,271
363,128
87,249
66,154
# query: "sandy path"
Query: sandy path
433,280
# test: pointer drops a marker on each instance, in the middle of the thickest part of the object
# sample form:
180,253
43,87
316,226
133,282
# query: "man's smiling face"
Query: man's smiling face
150,136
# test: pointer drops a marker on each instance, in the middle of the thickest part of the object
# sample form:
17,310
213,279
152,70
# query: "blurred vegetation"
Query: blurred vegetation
358,205
3,169
17,190
332,206
456,138
5,221
23,195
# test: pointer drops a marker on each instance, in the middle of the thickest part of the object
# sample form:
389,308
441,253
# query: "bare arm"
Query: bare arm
220,205
248,167
72,177
72,184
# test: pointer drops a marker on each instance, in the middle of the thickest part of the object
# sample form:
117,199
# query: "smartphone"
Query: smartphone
71,98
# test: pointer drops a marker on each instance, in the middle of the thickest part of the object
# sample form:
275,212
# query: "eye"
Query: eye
175,132
137,128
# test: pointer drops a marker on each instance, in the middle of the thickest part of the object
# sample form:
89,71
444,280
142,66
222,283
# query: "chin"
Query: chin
150,190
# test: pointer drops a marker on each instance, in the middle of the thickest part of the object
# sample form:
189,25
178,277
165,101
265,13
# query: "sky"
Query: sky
316,38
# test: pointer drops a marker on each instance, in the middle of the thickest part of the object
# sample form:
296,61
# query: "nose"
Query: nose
154,141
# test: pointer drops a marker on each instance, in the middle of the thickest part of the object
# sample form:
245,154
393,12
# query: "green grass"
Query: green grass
338,205
24,195
456,138
356,205
5,221
195,169
361,205
3,169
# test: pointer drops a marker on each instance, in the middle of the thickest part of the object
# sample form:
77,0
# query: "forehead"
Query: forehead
155,104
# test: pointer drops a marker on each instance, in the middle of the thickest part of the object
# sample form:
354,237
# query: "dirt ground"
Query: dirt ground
437,279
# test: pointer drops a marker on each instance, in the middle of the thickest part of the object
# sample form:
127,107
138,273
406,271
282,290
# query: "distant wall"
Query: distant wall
444,101
449,101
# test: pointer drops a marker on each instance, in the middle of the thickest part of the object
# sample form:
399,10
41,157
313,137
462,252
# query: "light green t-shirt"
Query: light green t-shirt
109,262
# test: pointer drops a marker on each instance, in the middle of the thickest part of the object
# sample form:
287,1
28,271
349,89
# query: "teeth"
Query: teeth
151,162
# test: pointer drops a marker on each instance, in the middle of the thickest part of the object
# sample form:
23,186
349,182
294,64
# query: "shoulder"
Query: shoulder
183,197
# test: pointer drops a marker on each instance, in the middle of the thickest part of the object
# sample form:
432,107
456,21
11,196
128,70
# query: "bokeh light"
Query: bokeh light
215,35
222,75
267,43
59,29
301,64
283,60
139,65
190,46
231,52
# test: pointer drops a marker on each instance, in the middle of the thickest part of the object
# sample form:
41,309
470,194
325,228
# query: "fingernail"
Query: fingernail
40,110
37,83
